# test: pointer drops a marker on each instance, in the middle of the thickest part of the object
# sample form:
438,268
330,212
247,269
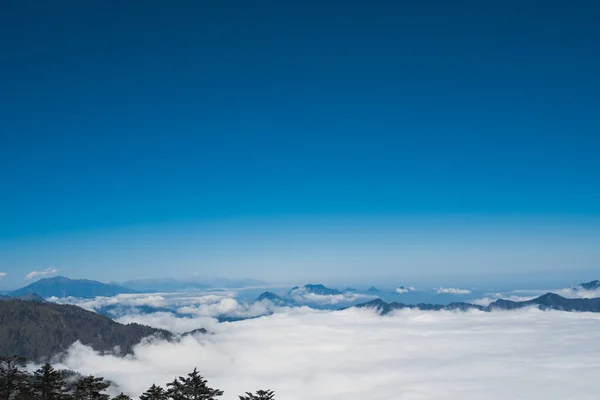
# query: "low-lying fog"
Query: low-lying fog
303,353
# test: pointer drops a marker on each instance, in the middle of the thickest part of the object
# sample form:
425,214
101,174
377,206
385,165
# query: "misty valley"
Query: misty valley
90,340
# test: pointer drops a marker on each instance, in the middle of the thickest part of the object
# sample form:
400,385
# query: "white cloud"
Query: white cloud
3,274
171,322
126,300
231,308
454,291
147,299
303,296
125,307
35,274
576,292
210,304
356,354
486,301
403,290
579,293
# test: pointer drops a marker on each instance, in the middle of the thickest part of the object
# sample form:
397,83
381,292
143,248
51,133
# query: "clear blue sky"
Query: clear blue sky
148,116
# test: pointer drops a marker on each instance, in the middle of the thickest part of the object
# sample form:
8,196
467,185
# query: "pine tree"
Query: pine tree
192,387
121,396
91,388
154,393
13,380
48,384
260,395
175,390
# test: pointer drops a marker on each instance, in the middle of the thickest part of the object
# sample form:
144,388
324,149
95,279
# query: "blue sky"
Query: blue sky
281,119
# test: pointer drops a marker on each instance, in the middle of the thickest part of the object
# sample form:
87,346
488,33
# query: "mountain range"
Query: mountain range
60,286
37,330
317,289
25,297
275,299
163,285
173,285
593,285
548,301
298,295
323,290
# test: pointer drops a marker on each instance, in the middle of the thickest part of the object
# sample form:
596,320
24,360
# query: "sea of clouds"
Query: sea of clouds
209,307
303,353
179,312
578,292
525,295
304,297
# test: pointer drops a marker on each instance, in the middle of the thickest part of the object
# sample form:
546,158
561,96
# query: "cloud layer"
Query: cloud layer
579,293
403,290
454,291
178,312
221,304
576,292
3,274
486,301
302,296
356,354
36,274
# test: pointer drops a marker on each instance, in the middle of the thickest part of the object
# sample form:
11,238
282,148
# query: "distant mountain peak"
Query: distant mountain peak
317,289
273,298
60,286
592,285
191,283
58,278
32,297
373,303
548,301
268,296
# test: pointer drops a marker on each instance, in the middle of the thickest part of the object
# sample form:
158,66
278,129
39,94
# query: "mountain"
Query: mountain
385,308
37,331
164,285
275,299
549,301
195,332
174,285
116,311
232,283
593,285
372,290
60,286
316,289
25,297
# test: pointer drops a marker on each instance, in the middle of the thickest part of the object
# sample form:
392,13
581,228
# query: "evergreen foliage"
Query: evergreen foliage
13,379
91,388
47,329
154,393
192,387
46,383
260,395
